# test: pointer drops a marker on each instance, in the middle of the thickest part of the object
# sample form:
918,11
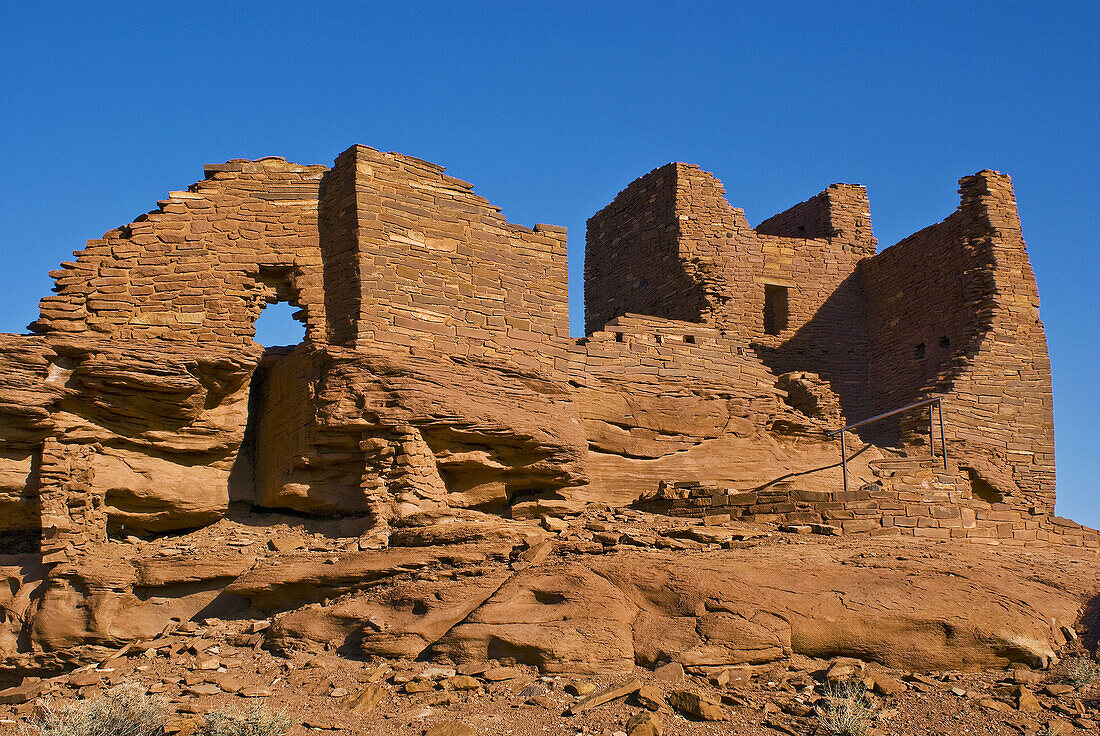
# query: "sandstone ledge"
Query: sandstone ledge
603,593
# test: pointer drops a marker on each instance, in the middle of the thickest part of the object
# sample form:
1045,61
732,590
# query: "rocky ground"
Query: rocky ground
610,621
214,664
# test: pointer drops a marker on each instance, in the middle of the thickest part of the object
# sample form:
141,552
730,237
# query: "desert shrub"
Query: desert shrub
121,711
1083,671
254,721
844,710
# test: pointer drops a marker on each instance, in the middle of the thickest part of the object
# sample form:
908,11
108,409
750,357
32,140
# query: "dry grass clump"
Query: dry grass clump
126,711
844,710
254,721
1083,672
122,711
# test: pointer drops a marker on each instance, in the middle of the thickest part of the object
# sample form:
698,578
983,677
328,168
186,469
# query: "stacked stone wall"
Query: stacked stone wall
931,507
202,267
338,226
930,300
71,507
840,212
670,245
659,353
954,311
950,311
825,330
632,260
441,270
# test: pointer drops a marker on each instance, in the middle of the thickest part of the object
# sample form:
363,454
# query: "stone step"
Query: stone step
904,462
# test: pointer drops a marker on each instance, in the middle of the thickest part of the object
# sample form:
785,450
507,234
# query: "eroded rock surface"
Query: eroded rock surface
582,606
440,471
391,436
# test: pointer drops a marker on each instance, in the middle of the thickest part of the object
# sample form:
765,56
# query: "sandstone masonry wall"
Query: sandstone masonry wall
824,328
440,269
202,267
930,300
841,212
954,311
912,499
338,226
632,261
437,370
670,245
659,353
950,311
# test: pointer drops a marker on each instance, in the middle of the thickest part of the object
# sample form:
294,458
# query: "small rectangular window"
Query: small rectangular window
776,309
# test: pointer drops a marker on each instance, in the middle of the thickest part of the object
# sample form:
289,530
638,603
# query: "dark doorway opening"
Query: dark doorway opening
279,329
776,309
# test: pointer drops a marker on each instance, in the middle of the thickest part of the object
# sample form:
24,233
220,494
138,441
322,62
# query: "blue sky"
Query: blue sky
550,108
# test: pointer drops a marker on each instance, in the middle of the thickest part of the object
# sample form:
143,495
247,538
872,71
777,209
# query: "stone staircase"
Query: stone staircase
924,475
899,496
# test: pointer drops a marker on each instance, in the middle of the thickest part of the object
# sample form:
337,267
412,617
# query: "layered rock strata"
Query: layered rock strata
439,422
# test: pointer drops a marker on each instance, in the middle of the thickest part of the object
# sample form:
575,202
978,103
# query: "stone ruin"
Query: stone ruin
437,367
437,377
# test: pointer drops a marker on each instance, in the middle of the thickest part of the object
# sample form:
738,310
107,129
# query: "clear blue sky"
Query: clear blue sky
550,108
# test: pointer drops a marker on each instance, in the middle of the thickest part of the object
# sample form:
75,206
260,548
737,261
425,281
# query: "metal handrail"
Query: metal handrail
937,402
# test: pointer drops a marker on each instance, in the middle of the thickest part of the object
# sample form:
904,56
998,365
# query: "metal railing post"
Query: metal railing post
936,402
931,434
843,461
943,441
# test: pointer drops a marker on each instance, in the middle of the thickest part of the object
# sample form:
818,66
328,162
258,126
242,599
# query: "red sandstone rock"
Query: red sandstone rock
438,408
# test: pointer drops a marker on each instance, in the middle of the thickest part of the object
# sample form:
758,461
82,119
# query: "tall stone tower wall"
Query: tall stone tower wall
671,246
953,311
789,292
633,262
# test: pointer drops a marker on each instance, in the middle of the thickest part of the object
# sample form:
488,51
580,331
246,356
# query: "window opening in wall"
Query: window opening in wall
945,343
276,326
618,337
689,339
776,309
919,352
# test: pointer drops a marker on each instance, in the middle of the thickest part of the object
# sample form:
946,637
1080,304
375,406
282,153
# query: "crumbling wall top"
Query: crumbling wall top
203,265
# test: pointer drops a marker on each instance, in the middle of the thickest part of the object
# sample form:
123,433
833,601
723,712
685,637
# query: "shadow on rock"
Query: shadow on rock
1090,623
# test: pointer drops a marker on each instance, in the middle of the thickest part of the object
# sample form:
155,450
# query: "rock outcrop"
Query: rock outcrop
430,472
640,592
341,432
